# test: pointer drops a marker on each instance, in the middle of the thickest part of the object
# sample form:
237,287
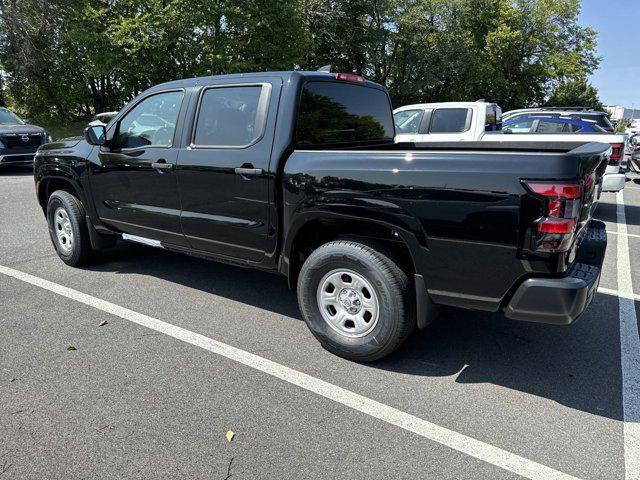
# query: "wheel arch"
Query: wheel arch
312,230
49,184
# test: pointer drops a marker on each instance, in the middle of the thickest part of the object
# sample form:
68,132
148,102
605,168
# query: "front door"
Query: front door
134,180
223,173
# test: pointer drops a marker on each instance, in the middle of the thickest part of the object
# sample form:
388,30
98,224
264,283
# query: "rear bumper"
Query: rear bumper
560,301
613,182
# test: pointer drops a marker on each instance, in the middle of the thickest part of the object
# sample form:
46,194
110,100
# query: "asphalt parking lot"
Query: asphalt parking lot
139,402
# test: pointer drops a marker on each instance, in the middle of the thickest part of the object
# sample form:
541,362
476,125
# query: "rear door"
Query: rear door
224,165
450,124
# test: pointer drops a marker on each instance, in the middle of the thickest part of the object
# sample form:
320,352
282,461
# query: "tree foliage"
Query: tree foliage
77,57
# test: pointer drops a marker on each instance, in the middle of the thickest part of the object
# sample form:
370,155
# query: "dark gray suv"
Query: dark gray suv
18,140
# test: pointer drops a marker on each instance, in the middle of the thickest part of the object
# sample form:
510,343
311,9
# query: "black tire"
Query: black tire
396,317
80,250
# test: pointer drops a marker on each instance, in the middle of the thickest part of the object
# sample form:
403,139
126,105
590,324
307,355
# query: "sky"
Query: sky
618,24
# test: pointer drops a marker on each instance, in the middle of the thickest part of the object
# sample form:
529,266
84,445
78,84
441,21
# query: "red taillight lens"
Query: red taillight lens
349,77
564,225
617,150
562,190
554,229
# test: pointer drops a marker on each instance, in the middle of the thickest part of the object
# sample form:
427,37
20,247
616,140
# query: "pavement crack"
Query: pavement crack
229,469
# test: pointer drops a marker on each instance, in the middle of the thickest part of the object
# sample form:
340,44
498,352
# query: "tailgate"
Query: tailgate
593,159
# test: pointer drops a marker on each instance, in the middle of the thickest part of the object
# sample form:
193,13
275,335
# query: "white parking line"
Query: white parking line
454,440
626,234
618,293
629,350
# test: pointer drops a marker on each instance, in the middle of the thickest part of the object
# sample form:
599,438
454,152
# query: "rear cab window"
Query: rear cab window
343,113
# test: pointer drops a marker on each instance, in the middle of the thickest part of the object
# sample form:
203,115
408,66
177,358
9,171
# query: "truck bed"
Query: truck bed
463,205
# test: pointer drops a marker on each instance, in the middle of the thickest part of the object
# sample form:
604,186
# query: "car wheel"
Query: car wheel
68,228
356,300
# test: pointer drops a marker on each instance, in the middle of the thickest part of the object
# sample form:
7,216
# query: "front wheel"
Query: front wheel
356,300
68,228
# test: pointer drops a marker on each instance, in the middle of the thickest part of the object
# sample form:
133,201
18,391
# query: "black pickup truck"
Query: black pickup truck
298,173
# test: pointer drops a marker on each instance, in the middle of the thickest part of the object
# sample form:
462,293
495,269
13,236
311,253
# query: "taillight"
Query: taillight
554,230
349,77
617,150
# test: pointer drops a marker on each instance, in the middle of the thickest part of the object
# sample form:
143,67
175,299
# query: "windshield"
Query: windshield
8,118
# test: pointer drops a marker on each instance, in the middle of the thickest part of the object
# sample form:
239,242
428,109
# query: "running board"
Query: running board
145,241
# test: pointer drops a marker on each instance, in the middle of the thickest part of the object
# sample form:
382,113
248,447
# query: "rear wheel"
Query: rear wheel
68,228
356,300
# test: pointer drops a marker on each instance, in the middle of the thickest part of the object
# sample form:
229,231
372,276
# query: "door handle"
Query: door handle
162,165
248,171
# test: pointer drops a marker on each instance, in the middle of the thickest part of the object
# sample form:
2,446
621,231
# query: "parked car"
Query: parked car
298,173
469,121
102,118
18,140
634,160
533,124
614,178
575,113
446,121
633,128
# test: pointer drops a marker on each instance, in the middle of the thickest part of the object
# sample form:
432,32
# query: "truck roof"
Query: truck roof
294,76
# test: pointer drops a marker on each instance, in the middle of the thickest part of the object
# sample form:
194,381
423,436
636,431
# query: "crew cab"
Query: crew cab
298,173
446,121
18,140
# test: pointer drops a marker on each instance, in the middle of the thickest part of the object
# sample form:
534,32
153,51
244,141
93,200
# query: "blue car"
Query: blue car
549,124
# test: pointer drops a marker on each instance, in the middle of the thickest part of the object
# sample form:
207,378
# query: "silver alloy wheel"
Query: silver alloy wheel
348,303
64,232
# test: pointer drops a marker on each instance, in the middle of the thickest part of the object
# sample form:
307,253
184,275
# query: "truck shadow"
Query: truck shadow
577,366
607,212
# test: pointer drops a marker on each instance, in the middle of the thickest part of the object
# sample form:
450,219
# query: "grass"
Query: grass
61,128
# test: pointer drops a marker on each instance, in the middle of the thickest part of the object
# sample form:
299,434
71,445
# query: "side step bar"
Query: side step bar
145,241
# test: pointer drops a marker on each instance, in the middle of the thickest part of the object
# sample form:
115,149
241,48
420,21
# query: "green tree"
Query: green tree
72,58
575,93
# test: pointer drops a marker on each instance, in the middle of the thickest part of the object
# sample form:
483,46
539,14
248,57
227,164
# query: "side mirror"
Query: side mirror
95,134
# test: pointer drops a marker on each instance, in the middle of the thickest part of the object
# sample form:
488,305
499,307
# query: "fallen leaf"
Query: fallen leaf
230,435
70,348
103,323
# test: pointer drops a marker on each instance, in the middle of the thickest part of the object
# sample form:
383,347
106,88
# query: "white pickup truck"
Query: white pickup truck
480,121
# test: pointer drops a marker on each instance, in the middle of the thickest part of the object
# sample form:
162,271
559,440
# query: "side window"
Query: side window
450,120
575,128
551,126
408,121
151,122
521,126
231,116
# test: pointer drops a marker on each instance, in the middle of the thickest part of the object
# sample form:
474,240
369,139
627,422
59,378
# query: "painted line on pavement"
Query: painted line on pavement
618,293
625,234
454,440
629,350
